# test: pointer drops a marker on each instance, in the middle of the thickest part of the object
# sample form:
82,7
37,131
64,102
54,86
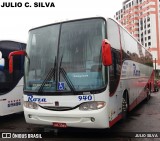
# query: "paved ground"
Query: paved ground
144,118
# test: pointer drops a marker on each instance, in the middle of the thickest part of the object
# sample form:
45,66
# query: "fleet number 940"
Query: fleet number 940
85,98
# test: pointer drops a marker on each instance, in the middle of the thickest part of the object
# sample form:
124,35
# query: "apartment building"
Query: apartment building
142,19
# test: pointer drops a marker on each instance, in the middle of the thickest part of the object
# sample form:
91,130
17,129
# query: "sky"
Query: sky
15,22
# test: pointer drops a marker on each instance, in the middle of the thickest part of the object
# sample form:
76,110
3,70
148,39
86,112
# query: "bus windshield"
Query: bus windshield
66,57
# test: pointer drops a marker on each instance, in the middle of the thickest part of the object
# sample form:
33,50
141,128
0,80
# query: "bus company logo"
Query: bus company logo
13,103
33,99
136,72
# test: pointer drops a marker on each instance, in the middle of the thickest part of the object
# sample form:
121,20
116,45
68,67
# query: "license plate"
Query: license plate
60,125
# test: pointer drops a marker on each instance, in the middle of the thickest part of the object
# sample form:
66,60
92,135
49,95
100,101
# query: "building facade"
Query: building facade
142,19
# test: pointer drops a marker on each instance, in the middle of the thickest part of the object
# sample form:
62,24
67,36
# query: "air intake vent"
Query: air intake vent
54,108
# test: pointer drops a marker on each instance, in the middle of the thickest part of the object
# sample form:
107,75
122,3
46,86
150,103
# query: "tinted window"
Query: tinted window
115,69
7,81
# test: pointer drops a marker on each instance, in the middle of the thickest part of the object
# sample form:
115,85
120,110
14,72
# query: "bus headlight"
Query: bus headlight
94,105
30,105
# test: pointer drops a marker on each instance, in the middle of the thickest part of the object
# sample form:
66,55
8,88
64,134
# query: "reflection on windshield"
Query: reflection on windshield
42,51
78,66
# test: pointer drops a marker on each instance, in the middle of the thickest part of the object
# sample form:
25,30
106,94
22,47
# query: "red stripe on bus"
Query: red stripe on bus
111,123
139,99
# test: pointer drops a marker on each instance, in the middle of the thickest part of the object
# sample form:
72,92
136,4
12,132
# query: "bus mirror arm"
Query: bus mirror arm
106,53
10,57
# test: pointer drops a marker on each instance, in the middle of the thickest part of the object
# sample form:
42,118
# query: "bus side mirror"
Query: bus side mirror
106,53
10,57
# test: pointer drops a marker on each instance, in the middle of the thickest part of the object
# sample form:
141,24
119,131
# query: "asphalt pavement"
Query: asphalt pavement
145,118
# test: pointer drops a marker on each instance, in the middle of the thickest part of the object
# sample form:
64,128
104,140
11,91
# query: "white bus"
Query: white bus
84,73
11,86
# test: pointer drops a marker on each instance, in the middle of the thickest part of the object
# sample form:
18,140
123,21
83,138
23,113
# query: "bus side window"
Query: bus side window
9,82
114,39
114,65
115,70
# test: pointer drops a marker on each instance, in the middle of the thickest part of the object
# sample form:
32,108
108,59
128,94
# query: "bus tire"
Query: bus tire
148,96
125,105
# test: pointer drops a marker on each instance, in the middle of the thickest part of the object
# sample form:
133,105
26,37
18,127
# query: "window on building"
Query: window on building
145,32
141,22
149,43
141,34
149,37
149,31
145,44
142,40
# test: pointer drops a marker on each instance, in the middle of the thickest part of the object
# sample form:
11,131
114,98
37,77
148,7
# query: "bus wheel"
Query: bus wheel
124,107
148,95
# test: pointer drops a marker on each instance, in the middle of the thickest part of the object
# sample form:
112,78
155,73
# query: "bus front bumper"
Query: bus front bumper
71,118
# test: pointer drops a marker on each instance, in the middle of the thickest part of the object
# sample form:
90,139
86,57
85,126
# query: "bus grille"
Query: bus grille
54,108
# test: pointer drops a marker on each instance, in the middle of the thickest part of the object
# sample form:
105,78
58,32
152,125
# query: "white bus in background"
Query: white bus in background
11,86
85,73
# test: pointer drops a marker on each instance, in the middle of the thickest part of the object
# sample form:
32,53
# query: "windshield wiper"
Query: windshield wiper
49,76
69,82
52,73
65,76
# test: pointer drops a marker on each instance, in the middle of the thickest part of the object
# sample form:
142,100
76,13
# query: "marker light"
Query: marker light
94,105
30,105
